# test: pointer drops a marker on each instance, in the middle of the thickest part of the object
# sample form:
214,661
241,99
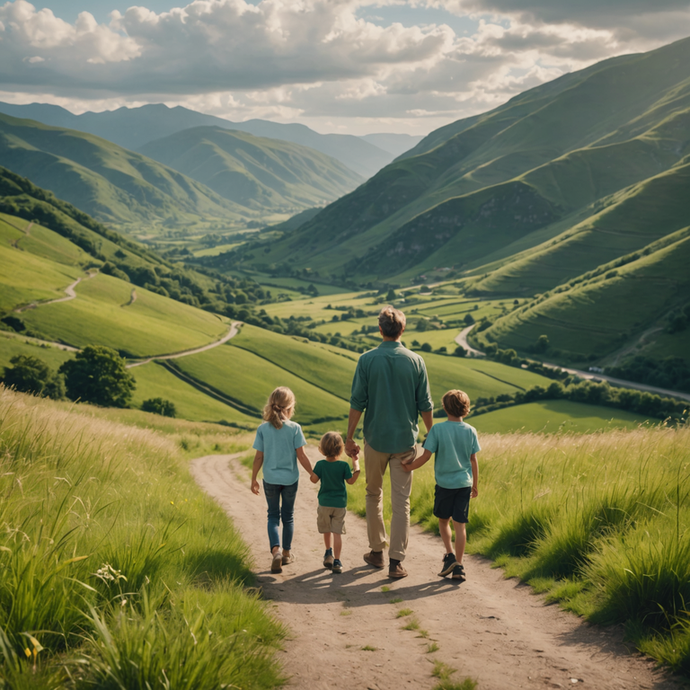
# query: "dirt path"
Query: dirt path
461,339
493,630
234,329
69,295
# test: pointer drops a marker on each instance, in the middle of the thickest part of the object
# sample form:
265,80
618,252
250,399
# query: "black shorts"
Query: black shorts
452,503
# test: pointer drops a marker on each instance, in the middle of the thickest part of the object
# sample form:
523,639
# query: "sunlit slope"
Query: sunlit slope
103,179
548,156
255,172
103,313
601,312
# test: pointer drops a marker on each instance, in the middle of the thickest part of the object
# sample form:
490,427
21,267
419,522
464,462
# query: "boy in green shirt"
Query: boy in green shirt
330,516
455,468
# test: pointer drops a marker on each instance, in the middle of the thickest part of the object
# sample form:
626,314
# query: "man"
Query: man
392,385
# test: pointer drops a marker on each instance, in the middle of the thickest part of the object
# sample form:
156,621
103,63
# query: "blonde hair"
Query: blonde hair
456,403
391,321
331,444
280,406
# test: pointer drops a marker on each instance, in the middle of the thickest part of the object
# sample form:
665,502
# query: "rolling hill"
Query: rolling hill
133,128
254,172
511,181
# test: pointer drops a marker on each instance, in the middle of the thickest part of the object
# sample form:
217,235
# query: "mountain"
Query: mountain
103,179
132,128
589,148
254,172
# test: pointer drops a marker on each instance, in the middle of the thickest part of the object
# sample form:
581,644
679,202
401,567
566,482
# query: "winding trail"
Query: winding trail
69,294
461,339
345,628
232,332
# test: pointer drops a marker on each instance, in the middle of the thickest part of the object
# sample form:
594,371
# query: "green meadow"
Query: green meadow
598,522
117,570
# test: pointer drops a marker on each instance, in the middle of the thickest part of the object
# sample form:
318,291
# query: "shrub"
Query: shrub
29,374
159,406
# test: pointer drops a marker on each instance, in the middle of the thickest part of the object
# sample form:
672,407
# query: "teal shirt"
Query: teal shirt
453,443
279,447
332,492
391,384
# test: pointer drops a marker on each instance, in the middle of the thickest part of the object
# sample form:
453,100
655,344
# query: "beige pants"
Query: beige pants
375,464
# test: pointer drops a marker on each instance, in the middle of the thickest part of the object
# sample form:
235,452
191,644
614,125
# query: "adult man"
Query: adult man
391,384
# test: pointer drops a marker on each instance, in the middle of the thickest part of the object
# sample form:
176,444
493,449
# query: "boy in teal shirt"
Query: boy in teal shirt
330,516
456,446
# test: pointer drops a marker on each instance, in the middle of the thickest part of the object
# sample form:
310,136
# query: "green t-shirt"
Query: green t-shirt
391,384
332,492
453,443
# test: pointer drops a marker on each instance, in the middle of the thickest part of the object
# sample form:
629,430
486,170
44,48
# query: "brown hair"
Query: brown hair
456,403
279,406
331,444
391,322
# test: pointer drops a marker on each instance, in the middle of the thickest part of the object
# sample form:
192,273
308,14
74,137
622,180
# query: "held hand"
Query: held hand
351,448
474,493
255,487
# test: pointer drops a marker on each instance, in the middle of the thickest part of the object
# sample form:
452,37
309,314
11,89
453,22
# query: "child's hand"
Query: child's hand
255,487
474,493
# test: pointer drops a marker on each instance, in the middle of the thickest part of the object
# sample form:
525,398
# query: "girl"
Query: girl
279,444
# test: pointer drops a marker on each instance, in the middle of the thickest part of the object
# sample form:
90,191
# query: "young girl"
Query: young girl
279,444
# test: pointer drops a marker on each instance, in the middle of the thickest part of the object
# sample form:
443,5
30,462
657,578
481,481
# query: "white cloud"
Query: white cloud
320,61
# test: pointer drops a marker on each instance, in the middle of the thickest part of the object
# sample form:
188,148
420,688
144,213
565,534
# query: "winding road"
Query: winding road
69,295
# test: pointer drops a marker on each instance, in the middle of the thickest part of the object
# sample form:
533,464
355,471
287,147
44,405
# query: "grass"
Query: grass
432,647
12,345
598,522
555,416
404,612
111,551
395,600
412,624
369,648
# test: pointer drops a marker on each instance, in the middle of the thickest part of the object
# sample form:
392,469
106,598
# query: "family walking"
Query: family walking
391,388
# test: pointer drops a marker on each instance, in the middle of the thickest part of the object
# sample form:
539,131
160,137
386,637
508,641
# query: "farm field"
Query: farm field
556,416
12,345
103,315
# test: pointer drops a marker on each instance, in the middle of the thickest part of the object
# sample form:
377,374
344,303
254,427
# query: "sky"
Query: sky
345,66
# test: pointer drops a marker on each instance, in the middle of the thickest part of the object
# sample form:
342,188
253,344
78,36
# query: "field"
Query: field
600,522
103,315
12,345
112,552
555,416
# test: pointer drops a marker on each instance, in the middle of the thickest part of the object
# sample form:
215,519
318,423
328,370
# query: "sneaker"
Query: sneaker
395,570
374,558
286,560
449,564
277,563
337,566
328,559
459,573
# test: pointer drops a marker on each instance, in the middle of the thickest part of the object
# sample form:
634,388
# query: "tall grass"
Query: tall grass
115,570
600,522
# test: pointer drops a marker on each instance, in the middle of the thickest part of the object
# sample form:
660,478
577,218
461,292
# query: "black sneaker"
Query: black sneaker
459,573
328,559
449,564
337,566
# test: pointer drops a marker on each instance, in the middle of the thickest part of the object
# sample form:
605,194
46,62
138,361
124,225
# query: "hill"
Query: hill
254,172
132,128
102,179
485,188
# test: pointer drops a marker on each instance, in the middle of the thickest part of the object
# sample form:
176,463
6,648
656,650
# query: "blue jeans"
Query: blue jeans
276,512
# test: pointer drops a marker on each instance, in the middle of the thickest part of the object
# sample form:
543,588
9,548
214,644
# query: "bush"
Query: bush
159,406
29,374
98,375
426,347
460,351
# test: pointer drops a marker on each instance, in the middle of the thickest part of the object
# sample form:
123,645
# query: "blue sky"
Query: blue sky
355,66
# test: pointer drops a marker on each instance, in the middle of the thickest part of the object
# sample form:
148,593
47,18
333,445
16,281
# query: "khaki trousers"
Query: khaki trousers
375,464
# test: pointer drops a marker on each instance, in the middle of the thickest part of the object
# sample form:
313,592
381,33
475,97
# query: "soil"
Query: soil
345,629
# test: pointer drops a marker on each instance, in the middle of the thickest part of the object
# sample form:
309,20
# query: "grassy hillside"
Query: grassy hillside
254,172
120,555
102,179
606,144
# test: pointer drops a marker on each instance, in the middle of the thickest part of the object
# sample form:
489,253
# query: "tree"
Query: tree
426,347
98,375
28,374
469,319
460,351
542,344
159,406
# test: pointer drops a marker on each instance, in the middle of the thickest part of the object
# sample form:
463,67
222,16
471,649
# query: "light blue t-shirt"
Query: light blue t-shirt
453,443
279,447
